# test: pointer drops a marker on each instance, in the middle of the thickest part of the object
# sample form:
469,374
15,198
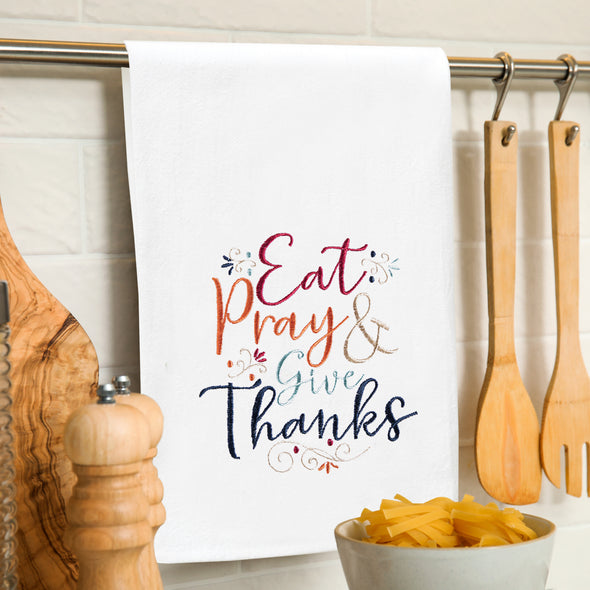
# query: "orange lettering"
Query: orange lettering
258,327
281,325
223,315
327,337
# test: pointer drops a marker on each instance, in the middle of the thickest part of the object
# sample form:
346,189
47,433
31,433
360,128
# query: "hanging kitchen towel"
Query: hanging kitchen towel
292,215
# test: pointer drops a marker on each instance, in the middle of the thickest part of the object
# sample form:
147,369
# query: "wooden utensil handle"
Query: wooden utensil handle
565,219
500,214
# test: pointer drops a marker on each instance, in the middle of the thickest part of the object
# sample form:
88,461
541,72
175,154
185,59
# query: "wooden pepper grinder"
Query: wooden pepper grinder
107,512
151,484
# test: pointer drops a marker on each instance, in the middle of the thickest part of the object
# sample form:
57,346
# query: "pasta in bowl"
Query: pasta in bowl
444,544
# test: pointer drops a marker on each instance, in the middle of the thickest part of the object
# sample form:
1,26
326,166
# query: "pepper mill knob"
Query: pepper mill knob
106,394
122,384
151,484
107,513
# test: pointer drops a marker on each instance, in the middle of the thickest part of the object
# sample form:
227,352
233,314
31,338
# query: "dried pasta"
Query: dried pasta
442,522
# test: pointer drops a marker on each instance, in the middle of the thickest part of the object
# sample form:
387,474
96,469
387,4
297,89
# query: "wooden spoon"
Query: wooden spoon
566,412
54,371
507,432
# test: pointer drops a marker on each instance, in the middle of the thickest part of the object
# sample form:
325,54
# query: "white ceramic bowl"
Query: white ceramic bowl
522,566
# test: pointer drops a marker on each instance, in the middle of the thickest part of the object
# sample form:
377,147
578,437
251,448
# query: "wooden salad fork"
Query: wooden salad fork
566,412
507,432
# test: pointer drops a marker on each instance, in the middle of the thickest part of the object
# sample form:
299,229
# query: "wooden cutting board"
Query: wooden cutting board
54,371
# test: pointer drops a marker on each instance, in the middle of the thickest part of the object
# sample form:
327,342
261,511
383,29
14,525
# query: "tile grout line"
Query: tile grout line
252,575
40,140
403,40
548,336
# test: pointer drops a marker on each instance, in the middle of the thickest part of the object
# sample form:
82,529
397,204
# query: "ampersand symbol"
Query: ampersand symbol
374,342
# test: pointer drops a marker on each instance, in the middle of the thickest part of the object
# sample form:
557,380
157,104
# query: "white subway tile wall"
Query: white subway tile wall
293,16
63,186
66,10
502,20
107,221
43,177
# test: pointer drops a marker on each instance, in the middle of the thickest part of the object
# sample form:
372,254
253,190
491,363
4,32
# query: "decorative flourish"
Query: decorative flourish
381,269
282,456
234,261
327,465
259,356
250,362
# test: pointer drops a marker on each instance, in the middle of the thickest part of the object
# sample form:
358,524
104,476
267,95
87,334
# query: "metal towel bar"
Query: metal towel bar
115,55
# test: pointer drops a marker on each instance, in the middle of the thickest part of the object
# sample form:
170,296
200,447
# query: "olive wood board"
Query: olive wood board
54,371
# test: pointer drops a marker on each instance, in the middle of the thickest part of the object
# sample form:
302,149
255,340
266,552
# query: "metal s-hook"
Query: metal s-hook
566,85
502,85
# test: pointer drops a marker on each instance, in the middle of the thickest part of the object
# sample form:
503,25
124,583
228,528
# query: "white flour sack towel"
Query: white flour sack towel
292,213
